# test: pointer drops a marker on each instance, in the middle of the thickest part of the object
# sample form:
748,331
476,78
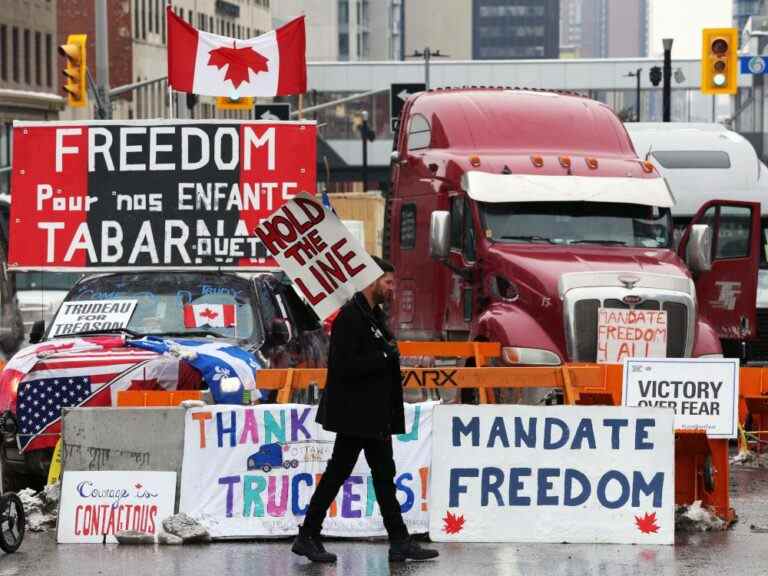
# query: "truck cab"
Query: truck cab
541,218
705,161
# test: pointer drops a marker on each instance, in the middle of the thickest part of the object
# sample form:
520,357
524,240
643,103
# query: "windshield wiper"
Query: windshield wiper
190,333
128,331
528,238
606,242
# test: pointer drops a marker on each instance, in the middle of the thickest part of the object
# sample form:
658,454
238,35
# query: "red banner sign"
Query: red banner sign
152,194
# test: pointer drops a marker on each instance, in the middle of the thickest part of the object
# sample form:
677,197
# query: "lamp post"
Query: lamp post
636,75
427,54
667,93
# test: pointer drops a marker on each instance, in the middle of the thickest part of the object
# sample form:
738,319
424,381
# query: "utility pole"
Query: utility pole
427,54
667,93
102,58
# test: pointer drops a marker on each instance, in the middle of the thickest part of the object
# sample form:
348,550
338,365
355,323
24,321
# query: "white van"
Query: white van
704,162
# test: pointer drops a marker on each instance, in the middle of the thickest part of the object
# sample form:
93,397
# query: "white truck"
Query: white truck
703,162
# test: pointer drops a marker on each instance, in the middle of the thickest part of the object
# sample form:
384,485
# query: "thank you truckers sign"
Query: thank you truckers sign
597,474
152,194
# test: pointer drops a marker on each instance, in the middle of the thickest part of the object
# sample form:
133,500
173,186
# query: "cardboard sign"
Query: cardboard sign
577,474
623,333
320,254
702,392
251,470
152,194
76,317
96,505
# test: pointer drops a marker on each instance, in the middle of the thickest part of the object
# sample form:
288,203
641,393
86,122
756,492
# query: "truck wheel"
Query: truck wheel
266,468
12,522
294,463
286,464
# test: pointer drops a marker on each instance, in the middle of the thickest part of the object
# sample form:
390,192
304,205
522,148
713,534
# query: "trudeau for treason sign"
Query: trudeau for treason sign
152,194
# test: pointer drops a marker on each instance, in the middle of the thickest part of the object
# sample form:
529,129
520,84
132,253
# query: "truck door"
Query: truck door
726,293
461,291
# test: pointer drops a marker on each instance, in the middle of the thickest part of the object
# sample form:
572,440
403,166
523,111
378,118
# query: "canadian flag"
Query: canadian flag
213,315
273,64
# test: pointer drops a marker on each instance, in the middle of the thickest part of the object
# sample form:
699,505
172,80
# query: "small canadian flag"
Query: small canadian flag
273,64
213,315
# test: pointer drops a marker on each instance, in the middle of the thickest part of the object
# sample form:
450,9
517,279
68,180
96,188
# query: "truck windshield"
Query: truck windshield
178,303
577,223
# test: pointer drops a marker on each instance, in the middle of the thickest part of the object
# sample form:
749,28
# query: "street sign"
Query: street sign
753,64
398,93
272,112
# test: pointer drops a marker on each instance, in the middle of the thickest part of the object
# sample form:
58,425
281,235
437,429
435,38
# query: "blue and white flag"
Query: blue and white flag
228,370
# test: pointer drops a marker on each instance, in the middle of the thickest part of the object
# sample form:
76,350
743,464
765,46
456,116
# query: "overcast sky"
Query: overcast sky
683,20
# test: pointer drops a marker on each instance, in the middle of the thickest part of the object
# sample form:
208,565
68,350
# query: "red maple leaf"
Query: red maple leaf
239,61
453,523
208,313
647,523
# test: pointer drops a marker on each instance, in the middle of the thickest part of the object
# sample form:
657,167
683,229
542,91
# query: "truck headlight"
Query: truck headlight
514,355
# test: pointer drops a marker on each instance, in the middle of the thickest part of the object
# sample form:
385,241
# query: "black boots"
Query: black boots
401,550
311,547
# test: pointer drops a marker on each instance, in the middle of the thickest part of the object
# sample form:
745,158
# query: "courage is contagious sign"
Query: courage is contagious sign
152,194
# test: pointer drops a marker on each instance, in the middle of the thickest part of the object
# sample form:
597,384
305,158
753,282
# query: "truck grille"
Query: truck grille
585,325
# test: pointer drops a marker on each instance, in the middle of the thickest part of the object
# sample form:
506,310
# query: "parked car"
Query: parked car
41,293
271,322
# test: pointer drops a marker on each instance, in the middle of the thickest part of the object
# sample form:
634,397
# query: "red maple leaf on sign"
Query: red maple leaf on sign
647,524
453,523
239,62
208,313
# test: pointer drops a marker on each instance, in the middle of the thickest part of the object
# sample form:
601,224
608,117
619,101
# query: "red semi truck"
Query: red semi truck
526,217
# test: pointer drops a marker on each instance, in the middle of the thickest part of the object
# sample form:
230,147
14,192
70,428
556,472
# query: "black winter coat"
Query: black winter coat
363,394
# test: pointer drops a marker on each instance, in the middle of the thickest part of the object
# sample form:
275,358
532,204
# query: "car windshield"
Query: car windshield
46,280
577,223
177,303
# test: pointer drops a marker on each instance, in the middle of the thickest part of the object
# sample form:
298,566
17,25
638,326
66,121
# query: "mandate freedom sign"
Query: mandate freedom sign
598,474
95,505
152,194
86,315
630,333
318,253
251,470
703,392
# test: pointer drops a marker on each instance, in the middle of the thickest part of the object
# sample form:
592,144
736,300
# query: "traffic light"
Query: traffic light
720,61
655,75
226,103
76,70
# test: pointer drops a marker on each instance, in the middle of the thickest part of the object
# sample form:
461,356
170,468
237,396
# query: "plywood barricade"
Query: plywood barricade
701,463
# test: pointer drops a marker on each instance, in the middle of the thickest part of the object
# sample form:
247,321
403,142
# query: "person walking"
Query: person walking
363,404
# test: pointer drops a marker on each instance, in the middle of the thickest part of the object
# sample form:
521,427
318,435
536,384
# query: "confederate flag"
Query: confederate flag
213,315
273,64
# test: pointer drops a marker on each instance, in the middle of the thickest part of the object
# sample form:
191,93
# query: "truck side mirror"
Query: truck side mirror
281,332
440,234
698,252
37,332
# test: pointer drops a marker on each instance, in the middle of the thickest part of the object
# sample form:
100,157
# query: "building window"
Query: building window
3,52
136,21
49,60
189,16
38,58
144,19
162,29
408,227
158,10
343,46
149,15
27,59
343,12
15,53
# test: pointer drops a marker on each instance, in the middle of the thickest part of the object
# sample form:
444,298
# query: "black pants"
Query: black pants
378,454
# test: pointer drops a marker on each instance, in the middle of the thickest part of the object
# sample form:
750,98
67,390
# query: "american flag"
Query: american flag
81,375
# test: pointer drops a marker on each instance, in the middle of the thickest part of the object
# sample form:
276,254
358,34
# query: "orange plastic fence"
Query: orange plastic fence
126,398
701,463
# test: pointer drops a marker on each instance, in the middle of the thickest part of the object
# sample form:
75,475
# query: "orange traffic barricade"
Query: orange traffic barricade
139,398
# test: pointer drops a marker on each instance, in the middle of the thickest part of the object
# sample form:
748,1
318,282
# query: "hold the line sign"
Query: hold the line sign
703,392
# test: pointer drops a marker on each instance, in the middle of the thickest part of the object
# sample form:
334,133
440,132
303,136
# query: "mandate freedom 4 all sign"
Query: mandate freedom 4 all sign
250,471
152,194
318,253
702,392
552,474
97,505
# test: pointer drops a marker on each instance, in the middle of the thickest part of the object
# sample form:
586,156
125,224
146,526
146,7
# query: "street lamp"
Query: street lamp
427,54
636,74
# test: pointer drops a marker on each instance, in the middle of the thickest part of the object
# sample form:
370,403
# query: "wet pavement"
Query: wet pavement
737,551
